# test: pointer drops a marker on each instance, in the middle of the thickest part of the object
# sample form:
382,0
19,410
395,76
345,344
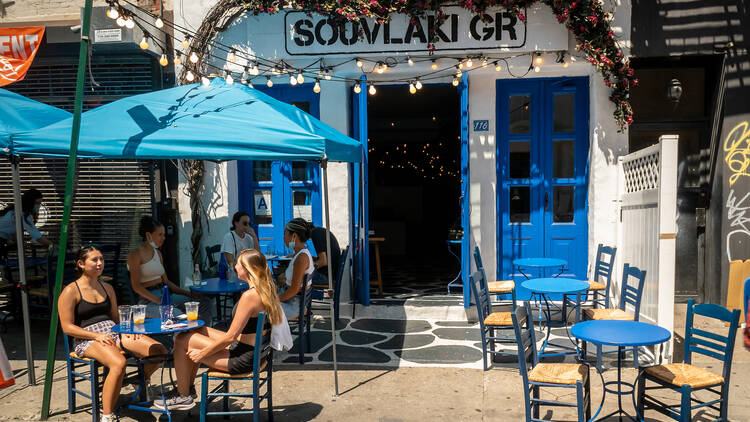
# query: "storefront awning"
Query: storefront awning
19,114
215,122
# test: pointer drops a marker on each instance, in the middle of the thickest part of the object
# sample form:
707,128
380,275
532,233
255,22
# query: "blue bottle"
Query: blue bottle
166,298
223,265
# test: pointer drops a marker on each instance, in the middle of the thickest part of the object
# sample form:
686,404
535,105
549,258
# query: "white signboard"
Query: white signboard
462,30
108,35
262,200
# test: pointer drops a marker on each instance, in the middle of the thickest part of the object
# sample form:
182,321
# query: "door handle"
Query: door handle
546,201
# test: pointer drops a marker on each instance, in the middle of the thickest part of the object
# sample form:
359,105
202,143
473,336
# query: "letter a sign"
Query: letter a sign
18,47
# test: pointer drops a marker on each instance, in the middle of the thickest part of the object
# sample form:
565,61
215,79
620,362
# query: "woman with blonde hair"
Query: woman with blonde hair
230,351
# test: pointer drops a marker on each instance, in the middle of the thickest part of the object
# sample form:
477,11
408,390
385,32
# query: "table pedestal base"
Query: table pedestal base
548,322
619,392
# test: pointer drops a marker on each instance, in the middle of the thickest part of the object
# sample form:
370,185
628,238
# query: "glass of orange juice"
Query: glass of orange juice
139,314
191,309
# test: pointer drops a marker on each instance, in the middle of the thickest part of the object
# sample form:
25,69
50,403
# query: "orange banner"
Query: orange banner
18,47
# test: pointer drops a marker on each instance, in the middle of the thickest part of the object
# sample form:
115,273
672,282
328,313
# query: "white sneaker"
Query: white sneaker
175,402
108,418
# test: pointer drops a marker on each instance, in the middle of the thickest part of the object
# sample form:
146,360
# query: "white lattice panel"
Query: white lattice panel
641,170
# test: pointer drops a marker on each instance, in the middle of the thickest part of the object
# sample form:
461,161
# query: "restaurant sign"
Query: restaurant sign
462,30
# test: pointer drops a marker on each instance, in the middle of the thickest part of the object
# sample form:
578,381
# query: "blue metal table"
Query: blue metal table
457,281
152,326
543,287
223,290
541,264
620,334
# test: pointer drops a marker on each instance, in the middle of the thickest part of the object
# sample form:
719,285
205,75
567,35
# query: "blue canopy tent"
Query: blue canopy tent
23,114
218,122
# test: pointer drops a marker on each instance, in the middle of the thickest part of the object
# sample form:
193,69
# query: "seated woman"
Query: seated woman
88,311
296,233
147,275
240,237
230,351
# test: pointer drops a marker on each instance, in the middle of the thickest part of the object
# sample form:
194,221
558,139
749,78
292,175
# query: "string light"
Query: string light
460,64
359,62
498,67
409,61
469,63
300,78
292,80
433,66
418,84
379,67
538,60
120,21
159,23
412,88
537,69
269,82
372,90
484,62
112,12
205,81
316,87
327,75
129,23
231,57
459,73
144,42
193,57
357,89
253,69
229,79
186,42
565,63
163,61
454,82
189,76
177,59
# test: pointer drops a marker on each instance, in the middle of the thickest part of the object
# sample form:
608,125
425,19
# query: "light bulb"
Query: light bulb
269,82
327,76
484,63
189,76
275,71
433,66
205,81
418,85
372,90
129,23
379,69
229,79
159,23
460,65
292,80
565,63
163,60
186,42
316,87
112,13
193,57
250,84
231,57
412,89
454,82
537,69
359,63
120,21
410,61
144,43
357,89
253,70
498,67
177,59
300,78
469,63
538,59
384,66
459,73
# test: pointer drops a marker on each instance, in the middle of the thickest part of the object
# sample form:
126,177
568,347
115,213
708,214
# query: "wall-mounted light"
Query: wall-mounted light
674,90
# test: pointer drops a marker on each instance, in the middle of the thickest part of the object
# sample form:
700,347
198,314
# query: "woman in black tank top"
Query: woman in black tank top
88,311
230,351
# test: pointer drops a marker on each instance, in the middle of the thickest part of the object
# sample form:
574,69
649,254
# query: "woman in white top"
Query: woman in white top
240,237
296,233
31,201
148,277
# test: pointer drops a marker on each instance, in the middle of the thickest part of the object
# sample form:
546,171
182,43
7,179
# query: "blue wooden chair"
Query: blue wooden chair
259,378
81,369
633,280
302,322
686,378
600,283
498,288
490,321
548,375
319,289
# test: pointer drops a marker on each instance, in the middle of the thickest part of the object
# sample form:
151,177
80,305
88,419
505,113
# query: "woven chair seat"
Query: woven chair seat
559,373
617,314
595,285
504,286
39,291
499,319
679,374
225,375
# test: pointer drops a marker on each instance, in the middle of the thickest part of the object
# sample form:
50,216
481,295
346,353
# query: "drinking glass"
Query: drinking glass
165,311
125,312
139,314
191,308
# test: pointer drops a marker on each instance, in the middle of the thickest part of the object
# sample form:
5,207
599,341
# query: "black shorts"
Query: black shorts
240,358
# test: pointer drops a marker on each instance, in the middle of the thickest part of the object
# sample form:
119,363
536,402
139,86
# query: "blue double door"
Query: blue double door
542,174
274,192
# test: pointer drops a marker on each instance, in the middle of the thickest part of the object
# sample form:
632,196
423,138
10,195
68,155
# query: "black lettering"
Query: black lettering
454,28
319,35
387,33
510,27
415,30
433,30
370,35
302,36
352,39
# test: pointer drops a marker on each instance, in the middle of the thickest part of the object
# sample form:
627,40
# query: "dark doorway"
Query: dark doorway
414,178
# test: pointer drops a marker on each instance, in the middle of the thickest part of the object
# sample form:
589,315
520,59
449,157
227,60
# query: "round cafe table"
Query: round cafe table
541,264
222,289
152,326
543,287
620,334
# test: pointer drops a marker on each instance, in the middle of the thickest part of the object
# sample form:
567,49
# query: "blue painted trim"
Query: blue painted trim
360,223
466,240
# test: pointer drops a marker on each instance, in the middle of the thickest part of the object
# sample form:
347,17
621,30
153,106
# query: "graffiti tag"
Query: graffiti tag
738,220
737,149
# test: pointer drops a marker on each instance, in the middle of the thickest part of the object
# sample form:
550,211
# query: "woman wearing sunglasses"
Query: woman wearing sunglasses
240,237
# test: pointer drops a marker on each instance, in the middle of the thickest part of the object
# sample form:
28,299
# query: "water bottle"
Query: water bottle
166,299
223,268
196,276
165,308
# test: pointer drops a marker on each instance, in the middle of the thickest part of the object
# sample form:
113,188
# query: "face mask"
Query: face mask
37,208
290,244
151,242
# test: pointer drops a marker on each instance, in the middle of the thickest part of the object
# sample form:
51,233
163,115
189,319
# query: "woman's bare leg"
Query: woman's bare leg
110,357
143,346
187,369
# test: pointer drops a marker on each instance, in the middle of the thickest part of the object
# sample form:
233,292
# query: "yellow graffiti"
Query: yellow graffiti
737,149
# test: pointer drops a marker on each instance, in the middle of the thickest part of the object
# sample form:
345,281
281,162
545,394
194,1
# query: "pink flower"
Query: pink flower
522,17
593,19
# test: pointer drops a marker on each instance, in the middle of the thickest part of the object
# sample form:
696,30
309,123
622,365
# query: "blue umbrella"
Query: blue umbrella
22,114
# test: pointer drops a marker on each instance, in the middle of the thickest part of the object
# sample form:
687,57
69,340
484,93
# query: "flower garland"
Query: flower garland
586,19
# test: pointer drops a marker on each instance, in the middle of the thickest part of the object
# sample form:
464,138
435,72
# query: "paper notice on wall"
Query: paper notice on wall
303,211
262,201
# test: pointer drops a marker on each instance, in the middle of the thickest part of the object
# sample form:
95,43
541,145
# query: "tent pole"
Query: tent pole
18,207
67,204
324,164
